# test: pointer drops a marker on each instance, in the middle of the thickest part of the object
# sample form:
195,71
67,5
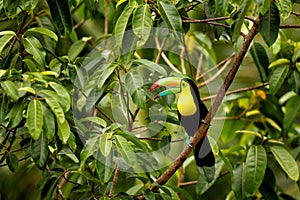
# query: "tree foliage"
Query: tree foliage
75,102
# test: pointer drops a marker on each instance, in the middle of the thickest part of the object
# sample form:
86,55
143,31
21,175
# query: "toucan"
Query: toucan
191,113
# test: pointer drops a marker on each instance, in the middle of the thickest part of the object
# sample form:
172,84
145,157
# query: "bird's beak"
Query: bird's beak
172,85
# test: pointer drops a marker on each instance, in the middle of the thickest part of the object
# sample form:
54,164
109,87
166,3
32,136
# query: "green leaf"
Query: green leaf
286,161
49,122
170,15
96,120
261,60
63,131
292,110
285,7
126,150
105,143
148,194
142,23
238,20
296,55
139,98
133,81
269,25
151,66
63,94
56,109
34,118
4,41
40,151
61,16
29,5
12,161
105,167
76,48
10,89
263,5
34,47
121,24
256,163
277,78
105,75
280,61
15,115
239,181
3,107
294,81
206,45
43,31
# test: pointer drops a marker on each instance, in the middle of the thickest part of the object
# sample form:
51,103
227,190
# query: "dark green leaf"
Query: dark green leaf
269,25
63,95
12,161
294,81
141,23
10,7
56,109
29,5
104,167
256,163
40,151
261,60
292,111
277,78
34,118
76,48
49,122
286,161
239,181
61,16
34,47
148,194
3,107
49,187
15,115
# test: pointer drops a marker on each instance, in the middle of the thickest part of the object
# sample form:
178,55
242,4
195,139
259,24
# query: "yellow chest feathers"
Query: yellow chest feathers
186,105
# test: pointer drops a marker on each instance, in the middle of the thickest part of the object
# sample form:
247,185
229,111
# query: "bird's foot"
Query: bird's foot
204,122
189,143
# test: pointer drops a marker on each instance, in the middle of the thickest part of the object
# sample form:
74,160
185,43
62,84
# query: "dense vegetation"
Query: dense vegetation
77,120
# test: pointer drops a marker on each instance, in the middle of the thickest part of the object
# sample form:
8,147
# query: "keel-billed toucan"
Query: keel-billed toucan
191,113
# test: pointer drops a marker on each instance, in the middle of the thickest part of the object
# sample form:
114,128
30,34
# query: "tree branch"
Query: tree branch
216,104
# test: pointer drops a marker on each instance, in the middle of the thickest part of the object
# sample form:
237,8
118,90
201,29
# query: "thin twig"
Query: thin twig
198,73
114,182
237,91
216,74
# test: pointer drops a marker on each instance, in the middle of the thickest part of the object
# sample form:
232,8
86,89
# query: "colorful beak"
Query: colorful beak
171,83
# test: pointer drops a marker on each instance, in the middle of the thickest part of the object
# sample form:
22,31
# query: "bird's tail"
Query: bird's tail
203,153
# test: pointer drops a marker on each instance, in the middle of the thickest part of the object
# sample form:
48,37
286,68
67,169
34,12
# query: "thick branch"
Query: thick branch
216,104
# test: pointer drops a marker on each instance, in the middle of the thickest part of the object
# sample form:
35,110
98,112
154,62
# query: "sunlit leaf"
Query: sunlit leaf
34,118
34,47
126,150
10,89
286,161
256,163
56,109
63,94
43,31
263,5
40,151
277,78
121,25
63,131
96,120
151,66
170,15
105,144
141,23
76,48
4,41
285,7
